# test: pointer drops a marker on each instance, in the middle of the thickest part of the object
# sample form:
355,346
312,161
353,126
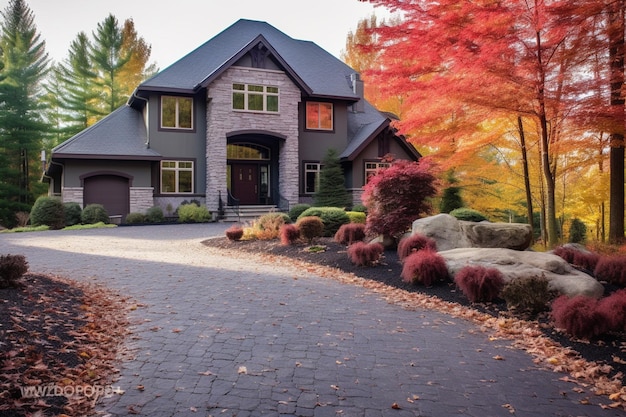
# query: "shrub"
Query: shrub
579,258
468,214
479,283
365,254
397,196
73,212
414,243
234,232
356,217
611,268
193,213
579,316
134,218
332,217
350,233
310,227
289,234
425,267
577,231
48,211
613,309
155,215
269,225
359,208
12,268
297,210
94,213
528,296
332,191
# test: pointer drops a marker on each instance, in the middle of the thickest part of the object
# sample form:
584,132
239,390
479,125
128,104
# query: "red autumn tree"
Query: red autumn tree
464,64
398,195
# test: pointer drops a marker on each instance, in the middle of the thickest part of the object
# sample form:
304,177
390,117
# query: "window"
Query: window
311,177
258,98
319,116
176,177
176,112
371,168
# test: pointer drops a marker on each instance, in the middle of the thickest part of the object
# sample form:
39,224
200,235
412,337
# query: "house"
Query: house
243,120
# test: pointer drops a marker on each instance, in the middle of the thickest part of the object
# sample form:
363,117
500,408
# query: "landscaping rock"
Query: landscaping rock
450,233
521,264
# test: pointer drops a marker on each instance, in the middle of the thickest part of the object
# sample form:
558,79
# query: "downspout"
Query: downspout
145,100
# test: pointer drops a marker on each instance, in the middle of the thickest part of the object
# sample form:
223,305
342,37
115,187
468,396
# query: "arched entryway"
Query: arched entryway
112,191
252,169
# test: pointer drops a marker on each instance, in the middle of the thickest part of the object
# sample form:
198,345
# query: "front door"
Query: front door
245,183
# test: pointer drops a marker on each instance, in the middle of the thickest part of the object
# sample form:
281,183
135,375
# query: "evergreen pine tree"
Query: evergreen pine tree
23,65
332,191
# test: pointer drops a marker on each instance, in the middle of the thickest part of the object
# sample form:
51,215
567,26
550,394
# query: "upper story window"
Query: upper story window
319,116
257,98
176,112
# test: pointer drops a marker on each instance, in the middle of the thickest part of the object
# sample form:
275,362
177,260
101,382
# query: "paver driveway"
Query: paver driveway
224,337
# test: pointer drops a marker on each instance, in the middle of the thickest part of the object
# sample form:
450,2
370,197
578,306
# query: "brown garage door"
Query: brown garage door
112,191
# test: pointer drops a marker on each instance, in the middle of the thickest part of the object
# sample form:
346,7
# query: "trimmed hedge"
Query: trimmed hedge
332,217
73,212
193,213
94,213
48,211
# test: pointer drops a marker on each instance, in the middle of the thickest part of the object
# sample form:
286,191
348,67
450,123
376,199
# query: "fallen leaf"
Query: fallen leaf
498,358
242,370
140,387
395,406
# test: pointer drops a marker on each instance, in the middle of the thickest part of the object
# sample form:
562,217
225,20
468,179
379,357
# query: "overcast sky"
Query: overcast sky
175,28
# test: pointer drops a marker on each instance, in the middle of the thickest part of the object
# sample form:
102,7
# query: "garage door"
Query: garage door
112,191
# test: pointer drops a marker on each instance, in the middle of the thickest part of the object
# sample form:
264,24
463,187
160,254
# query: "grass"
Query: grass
99,225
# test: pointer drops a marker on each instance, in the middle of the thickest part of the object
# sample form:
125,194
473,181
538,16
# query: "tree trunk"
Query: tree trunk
616,155
529,197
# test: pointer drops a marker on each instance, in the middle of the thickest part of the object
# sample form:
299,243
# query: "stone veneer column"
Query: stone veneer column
72,195
222,119
141,199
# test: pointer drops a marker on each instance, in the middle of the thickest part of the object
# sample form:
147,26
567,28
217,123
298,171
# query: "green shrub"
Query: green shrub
73,213
12,267
134,218
528,296
468,214
356,217
193,213
577,231
332,217
360,208
297,210
48,211
94,213
310,227
154,215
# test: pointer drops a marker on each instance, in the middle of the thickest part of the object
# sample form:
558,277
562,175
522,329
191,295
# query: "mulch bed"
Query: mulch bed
60,337
607,350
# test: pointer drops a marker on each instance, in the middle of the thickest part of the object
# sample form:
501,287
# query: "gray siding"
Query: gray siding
138,170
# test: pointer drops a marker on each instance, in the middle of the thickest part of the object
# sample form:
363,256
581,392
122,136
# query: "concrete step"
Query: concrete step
247,213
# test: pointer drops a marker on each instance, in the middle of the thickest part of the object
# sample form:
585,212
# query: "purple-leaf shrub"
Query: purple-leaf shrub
349,233
398,195
579,316
414,243
479,283
613,308
289,234
234,232
365,254
612,268
426,267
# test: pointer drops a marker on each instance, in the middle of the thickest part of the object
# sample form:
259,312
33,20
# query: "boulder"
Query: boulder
450,233
520,264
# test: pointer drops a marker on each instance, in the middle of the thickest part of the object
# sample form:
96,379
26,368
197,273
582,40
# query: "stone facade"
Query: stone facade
141,199
222,119
72,195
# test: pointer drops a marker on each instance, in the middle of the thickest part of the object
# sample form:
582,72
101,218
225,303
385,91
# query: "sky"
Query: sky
175,28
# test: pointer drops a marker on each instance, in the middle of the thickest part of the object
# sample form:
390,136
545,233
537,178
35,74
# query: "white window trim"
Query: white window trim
373,171
317,177
263,93
177,114
177,171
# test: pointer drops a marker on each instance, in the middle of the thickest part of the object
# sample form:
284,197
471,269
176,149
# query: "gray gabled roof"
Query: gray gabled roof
317,72
120,135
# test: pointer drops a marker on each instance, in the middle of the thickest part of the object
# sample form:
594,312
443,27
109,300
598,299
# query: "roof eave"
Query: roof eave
64,156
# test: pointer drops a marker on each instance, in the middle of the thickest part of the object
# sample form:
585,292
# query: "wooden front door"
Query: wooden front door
245,183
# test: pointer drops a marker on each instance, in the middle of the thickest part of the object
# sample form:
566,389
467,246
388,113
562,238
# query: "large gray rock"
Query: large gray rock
450,233
520,264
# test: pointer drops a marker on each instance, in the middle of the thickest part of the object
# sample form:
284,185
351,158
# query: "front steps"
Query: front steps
244,214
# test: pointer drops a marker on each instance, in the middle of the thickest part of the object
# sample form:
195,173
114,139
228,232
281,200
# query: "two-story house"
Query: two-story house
245,118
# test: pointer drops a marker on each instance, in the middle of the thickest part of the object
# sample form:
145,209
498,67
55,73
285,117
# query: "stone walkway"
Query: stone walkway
215,335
